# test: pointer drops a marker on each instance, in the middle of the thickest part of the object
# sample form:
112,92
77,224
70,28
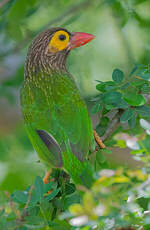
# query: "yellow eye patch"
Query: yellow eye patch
59,41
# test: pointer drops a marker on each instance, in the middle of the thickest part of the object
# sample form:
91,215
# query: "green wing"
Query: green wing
72,115
53,107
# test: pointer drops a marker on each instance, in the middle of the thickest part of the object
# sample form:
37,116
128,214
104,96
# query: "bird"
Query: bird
55,115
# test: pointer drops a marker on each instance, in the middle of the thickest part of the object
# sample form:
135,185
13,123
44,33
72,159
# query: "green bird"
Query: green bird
55,115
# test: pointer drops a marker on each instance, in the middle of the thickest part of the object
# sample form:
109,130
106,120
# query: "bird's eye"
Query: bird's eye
62,37
59,41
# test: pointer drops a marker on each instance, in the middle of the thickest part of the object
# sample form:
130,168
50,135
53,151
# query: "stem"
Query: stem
20,220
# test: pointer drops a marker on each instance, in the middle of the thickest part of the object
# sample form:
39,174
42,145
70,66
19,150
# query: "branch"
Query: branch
113,125
24,213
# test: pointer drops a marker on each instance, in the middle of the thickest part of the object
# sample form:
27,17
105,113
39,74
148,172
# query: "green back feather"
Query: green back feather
53,103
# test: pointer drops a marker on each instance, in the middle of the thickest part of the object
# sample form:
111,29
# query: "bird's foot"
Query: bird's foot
46,178
98,140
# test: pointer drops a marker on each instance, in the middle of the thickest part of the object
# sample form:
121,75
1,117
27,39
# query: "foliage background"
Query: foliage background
122,41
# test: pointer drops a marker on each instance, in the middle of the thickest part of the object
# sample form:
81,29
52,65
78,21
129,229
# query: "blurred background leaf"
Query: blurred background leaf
122,41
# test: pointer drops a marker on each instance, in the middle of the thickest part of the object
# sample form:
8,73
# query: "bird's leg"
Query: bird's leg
98,140
99,143
46,177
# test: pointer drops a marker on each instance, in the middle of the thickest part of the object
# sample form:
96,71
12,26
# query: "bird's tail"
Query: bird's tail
81,172
87,175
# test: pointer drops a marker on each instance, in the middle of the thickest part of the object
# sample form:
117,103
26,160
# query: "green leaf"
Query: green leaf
117,76
101,87
20,197
146,224
134,99
108,151
144,73
70,199
125,86
133,70
132,121
59,225
49,186
39,187
101,127
121,104
110,85
69,188
127,115
137,82
121,144
47,209
100,157
110,142
52,194
145,88
146,76
111,97
96,108
146,143
33,226
2,212
33,211
104,121
110,107
34,220
52,224
139,151
143,110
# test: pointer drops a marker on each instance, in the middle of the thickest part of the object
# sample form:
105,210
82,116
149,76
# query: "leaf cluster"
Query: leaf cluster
127,96
39,205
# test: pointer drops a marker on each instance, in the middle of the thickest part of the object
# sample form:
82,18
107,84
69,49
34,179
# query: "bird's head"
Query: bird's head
50,48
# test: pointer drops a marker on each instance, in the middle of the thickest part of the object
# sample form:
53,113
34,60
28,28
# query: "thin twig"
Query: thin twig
28,201
20,220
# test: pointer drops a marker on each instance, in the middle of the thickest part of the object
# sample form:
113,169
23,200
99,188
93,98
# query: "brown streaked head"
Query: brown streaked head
49,50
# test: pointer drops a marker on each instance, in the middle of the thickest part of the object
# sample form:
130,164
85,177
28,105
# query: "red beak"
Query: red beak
79,39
